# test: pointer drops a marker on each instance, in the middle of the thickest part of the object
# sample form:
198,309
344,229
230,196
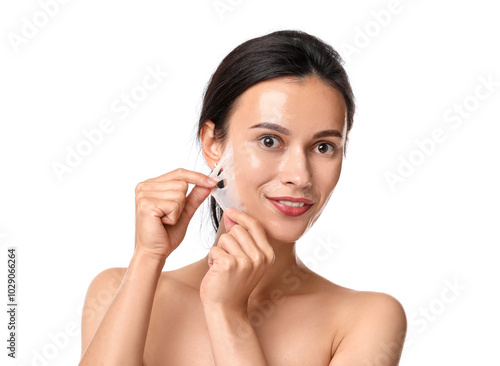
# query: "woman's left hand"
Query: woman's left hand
237,263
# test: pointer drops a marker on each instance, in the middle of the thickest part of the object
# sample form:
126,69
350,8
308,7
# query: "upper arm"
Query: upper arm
100,293
377,334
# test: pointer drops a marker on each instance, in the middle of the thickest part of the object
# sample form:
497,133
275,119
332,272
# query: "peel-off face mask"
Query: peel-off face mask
226,191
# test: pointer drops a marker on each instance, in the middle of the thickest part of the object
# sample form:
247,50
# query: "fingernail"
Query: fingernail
211,181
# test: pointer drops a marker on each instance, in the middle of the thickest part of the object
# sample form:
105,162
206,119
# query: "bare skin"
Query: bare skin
250,301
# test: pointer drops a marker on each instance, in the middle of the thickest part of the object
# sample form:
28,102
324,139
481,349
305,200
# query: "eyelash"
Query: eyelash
334,148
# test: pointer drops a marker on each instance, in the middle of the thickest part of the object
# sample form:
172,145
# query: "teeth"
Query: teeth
292,204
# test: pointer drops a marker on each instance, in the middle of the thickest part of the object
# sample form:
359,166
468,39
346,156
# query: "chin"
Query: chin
286,240
286,232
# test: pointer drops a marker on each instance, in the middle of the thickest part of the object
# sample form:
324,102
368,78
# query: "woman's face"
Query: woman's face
287,139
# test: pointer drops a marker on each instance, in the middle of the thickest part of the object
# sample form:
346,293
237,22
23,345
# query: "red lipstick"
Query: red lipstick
289,210
292,199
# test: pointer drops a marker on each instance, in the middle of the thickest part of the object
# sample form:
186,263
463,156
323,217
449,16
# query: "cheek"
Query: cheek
332,174
327,179
255,173
251,169
249,157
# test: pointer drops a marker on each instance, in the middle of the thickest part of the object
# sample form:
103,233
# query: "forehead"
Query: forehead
295,104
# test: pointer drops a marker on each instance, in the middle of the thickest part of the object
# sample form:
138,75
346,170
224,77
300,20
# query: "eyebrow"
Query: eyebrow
285,131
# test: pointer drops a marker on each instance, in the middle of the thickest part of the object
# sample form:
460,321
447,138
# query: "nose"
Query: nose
295,168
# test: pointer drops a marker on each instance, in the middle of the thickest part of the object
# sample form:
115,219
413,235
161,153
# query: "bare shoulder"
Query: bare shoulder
100,293
371,305
107,281
378,304
372,327
377,314
360,305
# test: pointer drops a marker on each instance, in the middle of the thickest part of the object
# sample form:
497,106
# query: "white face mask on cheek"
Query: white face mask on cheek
226,192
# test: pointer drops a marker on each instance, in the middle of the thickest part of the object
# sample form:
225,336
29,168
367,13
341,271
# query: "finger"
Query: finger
165,195
228,243
175,196
175,190
255,229
228,223
218,255
171,185
167,210
246,242
185,175
194,199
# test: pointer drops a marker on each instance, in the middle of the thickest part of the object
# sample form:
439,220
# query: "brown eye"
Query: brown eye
323,148
268,141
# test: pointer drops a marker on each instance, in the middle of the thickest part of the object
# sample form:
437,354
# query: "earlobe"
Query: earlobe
209,144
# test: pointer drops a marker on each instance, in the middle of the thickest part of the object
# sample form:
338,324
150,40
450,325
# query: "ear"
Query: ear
210,146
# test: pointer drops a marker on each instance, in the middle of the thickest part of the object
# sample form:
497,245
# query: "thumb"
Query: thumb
194,199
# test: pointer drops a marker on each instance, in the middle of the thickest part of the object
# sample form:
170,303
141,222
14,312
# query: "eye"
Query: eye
267,140
323,148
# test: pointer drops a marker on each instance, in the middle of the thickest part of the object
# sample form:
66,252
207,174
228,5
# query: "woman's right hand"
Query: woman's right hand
163,212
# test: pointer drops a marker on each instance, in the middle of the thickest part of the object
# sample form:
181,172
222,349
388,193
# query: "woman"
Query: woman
282,105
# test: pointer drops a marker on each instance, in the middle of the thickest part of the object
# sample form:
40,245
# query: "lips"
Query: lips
291,206
292,199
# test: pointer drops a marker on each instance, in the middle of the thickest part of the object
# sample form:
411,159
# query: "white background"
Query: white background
409,65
